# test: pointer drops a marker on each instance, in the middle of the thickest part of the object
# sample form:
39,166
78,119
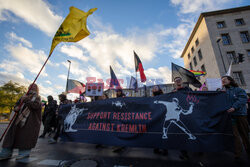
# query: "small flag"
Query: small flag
74,86
114,81
198,73
133,84
186,75
73,28
139,67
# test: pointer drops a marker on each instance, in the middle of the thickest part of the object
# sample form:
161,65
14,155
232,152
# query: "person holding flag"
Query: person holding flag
73,29
24,130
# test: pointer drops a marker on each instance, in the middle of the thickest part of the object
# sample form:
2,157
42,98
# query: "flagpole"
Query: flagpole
19,106
67,76
136,81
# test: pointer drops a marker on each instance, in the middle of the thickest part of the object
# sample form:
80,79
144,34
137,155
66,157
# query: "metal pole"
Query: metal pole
68,76
221,55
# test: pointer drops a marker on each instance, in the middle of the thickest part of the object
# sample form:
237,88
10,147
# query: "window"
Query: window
244,37
189,56
238,77
200,54
239,22
226,40
197,42
191,66
221,24
248,53
192,49
195,61
231,57
203,68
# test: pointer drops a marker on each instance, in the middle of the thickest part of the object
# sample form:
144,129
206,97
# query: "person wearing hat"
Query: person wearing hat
238,111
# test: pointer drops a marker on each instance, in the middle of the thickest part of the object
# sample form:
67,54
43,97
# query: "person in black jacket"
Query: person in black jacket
59,121
49,115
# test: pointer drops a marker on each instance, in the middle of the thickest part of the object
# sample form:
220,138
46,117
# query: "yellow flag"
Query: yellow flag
73,28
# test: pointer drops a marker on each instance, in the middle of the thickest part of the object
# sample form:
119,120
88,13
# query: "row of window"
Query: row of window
238,22
226,39
192,49
195,60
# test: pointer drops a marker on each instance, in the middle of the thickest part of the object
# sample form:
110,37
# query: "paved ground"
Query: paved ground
70,154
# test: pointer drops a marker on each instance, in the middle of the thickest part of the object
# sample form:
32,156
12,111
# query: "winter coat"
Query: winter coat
25,137
238,100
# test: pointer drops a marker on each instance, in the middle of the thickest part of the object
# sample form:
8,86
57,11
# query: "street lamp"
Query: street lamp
217,41
68,76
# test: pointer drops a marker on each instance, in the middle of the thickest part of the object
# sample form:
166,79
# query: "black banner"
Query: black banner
195,121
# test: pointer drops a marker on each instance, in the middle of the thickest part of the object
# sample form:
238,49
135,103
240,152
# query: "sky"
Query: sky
157,30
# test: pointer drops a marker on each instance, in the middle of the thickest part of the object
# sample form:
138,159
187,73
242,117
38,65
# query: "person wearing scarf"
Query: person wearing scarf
23,132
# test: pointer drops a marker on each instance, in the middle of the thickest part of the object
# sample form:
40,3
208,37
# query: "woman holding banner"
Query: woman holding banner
24,130
238,110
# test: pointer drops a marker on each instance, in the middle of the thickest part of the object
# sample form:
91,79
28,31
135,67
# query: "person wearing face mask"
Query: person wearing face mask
23,132
238,111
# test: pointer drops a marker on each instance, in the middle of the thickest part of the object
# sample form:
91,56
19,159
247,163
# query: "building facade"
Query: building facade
219,38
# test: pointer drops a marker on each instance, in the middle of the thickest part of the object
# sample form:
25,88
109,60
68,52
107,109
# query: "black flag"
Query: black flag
186,75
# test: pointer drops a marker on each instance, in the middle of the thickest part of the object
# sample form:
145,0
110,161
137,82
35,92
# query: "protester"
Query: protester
103,97
179,85
156,92
44,105
50,115
119,149
119,93
63,100
204,88
180,88
24,130
238,111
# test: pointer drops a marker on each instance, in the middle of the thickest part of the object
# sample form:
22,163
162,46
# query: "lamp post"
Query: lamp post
68,76
218,40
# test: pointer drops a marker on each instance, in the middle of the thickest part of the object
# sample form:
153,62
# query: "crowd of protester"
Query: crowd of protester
30,118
